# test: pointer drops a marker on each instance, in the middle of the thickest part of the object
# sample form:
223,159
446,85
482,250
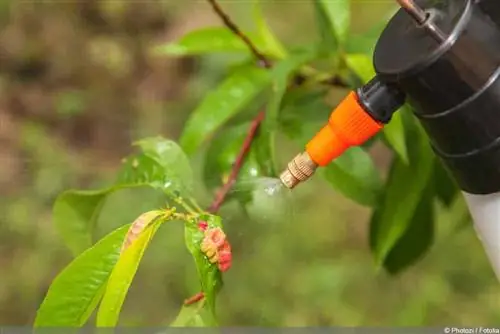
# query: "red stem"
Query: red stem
196,298
240,159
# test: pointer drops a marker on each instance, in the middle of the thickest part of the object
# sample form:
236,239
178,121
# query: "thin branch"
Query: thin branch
245,148
237,31
194,299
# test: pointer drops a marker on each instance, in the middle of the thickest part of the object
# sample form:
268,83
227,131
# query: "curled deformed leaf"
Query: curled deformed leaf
208,272
138,226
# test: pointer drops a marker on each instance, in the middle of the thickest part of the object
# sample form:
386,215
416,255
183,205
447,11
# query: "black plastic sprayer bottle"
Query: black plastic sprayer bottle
443,58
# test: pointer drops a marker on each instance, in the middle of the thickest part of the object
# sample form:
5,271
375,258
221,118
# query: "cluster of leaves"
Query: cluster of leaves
401,228
102,272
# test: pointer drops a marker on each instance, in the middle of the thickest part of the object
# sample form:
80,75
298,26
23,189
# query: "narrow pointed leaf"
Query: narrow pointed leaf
327,43
125,269
404,190
354,175
446,188
418,237
218,106
338,14
206,41
269,40
281,74
76,291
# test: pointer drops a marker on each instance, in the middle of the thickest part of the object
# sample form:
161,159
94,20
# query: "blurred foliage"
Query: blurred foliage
82,80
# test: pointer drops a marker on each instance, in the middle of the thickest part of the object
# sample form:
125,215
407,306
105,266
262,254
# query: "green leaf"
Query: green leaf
281,74
354,175
125,269
418,237
175,166
218,106
206,41
302,106
337,14
75,214
404,190
271,43
327,42
446,188
76,291
195,315
362,65
209,274
162,166
221,156
394,132
365,43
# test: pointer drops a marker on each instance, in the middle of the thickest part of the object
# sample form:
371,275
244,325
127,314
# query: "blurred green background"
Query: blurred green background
78,84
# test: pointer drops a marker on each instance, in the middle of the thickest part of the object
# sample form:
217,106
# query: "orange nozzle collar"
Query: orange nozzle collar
349,125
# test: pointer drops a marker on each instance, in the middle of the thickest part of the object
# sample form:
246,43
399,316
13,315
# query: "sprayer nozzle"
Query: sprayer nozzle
301,168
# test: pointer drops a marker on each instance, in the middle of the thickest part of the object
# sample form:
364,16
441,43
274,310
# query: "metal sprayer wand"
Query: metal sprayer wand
421,17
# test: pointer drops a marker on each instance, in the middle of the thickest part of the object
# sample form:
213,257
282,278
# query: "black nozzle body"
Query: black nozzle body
380,99
452,86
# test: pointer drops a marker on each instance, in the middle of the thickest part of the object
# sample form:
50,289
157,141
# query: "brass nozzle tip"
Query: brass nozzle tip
301,168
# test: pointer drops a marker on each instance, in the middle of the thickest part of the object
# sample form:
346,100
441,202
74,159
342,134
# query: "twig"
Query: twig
245,147
237,31
196,298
